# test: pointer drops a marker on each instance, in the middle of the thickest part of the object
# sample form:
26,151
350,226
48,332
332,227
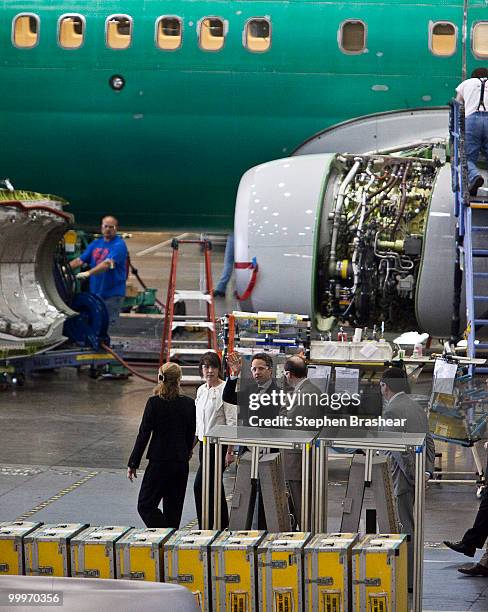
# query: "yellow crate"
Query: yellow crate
139,554
234,571
379,569
187,562
327,571
280,571
93,551
12,560
47,549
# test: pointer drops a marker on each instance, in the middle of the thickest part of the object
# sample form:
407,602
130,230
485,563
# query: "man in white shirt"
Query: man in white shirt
473,92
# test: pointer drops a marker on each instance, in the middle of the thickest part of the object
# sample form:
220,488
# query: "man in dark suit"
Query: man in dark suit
306,395
399,405
262,374
474,538
305,403
263,383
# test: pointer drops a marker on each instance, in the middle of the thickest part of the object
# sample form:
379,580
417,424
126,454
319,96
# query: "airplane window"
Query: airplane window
212,33
71,29
480,39
443,38
352,36
25,31
168,33
258,35
119,31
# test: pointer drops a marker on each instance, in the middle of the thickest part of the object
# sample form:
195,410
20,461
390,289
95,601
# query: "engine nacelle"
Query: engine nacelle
364,238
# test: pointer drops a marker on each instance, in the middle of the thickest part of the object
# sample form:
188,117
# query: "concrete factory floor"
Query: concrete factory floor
65,440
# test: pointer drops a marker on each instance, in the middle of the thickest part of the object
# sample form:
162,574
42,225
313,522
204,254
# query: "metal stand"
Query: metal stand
374,472
206,483
254,483
321,494
418,514
255,439
291,331
379,441
452,476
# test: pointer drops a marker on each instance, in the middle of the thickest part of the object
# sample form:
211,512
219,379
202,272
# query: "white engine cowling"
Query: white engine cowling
276,223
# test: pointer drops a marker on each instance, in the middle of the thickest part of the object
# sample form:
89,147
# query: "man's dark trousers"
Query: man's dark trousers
476,536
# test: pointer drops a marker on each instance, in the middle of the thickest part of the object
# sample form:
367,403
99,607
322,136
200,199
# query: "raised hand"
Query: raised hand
235,363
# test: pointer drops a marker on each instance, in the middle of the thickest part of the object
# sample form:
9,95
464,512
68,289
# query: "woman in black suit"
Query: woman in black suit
170,418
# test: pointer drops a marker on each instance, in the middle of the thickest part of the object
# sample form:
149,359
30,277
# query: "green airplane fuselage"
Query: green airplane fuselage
168,150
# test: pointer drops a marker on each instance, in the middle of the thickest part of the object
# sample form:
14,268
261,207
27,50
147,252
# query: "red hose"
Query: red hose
247,265
126,365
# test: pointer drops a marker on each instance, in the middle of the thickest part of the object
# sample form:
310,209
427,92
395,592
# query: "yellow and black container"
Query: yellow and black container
327,571
93,552
12,560
47,549
379,570
234,571
280,572
187,562
139,554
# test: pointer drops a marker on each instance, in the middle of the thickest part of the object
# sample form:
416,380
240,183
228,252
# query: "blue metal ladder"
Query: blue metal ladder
472,218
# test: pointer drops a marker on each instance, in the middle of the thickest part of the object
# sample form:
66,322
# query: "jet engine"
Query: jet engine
363,237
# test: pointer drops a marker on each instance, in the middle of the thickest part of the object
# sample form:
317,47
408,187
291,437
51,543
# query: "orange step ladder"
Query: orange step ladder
169,346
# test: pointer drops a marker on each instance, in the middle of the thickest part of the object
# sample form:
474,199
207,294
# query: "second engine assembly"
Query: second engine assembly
32,312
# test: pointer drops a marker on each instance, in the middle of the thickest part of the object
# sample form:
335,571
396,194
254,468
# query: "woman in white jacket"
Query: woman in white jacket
212,410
